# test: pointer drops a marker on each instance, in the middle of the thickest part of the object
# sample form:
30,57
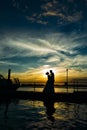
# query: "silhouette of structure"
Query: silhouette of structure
9,74
67,79
7,84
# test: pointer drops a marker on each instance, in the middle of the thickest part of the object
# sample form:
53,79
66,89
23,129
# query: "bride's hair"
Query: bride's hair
47,73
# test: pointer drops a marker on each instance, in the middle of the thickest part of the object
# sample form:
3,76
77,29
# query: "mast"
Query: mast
9,74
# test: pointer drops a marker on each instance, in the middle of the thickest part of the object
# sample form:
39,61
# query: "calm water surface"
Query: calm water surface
38,115
57,89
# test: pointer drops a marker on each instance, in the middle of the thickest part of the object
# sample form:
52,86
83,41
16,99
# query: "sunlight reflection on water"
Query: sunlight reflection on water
32,115
57,89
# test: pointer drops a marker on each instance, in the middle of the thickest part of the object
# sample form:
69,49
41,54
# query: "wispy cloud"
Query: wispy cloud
37,20
8,63
55,50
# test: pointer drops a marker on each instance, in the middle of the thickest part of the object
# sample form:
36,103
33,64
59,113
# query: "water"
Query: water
57,89
38,115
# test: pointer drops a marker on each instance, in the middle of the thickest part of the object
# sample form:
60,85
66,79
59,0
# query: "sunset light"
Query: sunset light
46,38
43,64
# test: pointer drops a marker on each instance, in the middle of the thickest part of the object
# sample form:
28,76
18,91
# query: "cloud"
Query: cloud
32,47
53,50
51,13
8,63
74,17
32,19
45,11
37,20
53,59
61,11
42,22
53,43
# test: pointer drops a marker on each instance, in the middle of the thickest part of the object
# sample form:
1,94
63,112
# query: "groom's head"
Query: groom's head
51,71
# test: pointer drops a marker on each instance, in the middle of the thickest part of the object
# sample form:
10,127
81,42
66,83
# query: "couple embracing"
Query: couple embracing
49,88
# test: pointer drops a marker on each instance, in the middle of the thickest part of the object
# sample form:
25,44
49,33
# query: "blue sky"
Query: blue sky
36,36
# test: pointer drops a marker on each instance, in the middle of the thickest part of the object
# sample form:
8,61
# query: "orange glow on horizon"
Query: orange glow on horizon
39,75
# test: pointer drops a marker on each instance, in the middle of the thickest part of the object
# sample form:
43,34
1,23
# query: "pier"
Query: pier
75,97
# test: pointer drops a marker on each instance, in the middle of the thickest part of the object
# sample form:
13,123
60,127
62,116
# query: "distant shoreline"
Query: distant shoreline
56,85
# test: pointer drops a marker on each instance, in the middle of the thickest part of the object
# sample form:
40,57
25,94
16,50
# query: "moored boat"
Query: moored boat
8,84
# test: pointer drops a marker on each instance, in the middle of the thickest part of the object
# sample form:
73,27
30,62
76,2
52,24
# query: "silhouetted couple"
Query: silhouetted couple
49,88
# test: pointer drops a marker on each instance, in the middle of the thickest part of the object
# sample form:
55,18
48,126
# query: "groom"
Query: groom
52,77
51,81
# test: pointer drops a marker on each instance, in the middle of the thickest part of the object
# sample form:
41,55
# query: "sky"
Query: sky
39,35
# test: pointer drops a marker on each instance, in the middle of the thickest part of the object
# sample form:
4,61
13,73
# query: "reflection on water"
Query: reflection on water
4,105
38,115
50,110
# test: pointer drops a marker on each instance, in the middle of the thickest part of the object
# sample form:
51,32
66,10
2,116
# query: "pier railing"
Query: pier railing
73,86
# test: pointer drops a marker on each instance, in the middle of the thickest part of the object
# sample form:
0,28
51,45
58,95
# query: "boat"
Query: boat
8,84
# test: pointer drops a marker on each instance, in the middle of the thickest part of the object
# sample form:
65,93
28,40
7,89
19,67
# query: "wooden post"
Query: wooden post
74,84
9,74
34,87
77,85
67,79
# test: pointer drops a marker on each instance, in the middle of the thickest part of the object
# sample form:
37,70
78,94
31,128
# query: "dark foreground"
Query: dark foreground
76,97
